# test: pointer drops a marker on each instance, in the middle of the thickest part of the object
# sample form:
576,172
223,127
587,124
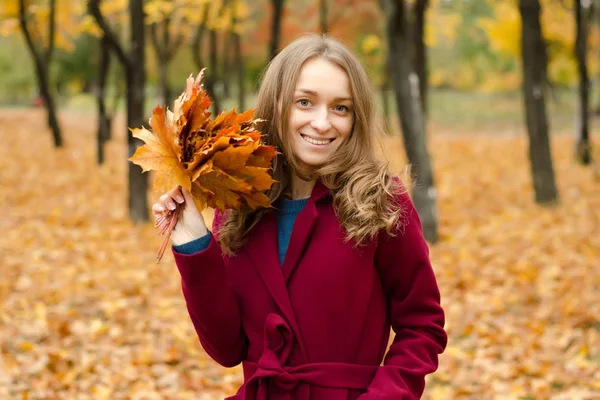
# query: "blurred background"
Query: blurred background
493,103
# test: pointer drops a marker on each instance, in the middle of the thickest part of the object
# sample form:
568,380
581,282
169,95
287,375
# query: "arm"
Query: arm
211,304
195,246
414,308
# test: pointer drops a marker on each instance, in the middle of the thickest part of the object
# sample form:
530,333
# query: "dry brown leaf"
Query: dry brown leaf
210,158
186,146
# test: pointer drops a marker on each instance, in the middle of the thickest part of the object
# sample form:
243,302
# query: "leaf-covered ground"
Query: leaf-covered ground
87,314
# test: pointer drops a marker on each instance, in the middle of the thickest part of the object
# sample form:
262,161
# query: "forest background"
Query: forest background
86,313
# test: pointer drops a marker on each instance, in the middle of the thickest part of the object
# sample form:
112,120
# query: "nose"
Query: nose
320,122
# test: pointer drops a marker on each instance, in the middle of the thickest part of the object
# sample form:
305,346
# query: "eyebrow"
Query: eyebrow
313,93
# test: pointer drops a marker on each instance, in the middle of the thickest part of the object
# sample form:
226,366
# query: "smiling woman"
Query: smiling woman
304,293
321,118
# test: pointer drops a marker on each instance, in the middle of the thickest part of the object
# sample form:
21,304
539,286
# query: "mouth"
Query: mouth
316,142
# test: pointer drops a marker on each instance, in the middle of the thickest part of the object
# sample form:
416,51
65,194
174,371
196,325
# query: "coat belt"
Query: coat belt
271,373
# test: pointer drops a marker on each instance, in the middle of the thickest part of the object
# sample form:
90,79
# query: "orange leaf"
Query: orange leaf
222,161
234,158
259,178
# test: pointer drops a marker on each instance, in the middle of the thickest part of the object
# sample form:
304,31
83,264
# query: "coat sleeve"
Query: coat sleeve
211,303
414,308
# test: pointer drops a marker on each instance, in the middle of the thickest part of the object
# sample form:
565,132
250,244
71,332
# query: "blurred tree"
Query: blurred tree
594,26
372,51
74,71
105,114
103,68
459,52
323,16
134,64
210,12
406,88
104,120
167,22
503,27
42,58
111,11
332,11
276,18
420,52
71,65
227,45
238,15
534,78
583,152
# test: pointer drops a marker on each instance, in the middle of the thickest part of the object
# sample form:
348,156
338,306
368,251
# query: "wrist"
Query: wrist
182,235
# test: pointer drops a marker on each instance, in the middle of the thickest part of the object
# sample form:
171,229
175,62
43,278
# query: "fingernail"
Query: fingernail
179,199
171,206
161,208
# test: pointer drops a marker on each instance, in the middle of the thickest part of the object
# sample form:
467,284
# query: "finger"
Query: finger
176,195
157,210
167,202
187,195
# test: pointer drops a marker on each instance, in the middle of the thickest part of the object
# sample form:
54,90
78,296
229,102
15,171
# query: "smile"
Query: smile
316,141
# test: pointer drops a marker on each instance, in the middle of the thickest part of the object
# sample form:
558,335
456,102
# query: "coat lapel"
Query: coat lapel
262,249
303,228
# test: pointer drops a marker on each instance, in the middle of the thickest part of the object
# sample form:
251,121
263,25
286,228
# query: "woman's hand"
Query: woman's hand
191,224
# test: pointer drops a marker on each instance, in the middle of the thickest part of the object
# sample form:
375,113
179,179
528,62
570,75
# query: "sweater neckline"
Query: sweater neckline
292,206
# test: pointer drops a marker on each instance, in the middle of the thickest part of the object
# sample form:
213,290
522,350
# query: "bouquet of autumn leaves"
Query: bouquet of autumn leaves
221,161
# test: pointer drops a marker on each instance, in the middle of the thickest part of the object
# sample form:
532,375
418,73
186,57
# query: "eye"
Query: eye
303,102
341,108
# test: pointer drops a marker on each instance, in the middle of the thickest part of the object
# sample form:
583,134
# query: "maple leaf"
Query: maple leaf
221,161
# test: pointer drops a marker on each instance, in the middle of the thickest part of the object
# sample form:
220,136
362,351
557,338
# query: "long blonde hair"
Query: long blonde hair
360,183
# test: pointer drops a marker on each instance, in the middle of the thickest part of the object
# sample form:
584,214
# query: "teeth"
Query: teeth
314,141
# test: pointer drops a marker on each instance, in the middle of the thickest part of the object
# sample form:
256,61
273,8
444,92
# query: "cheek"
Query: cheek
344,127
294,122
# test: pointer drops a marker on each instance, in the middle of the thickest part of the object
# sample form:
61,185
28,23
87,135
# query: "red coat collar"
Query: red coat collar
319,192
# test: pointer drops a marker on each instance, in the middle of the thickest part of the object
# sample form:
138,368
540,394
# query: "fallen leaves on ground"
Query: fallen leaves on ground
87,314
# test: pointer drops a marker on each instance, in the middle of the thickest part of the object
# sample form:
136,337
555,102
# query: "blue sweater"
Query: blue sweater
287,212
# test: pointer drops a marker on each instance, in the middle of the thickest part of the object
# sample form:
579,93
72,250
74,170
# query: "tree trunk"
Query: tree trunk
385,94
103,117
421,66
276,27
211,79
582,130
596,18
165,88
227,64
406,88
239,62
210,74
162,51
136,83
385,100
323,16
41,63
134,64
52,122
533,50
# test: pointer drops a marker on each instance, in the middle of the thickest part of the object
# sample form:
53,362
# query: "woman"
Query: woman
304,294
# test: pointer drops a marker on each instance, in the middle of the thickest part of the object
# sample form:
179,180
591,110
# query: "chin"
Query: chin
313,162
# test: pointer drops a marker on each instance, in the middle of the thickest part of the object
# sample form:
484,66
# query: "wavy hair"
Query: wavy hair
360,183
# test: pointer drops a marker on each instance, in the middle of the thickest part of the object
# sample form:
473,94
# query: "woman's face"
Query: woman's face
322,114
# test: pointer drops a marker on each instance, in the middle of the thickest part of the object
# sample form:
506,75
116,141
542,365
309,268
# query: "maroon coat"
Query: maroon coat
318,327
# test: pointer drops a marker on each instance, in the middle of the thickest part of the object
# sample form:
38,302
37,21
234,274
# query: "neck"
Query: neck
301,189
